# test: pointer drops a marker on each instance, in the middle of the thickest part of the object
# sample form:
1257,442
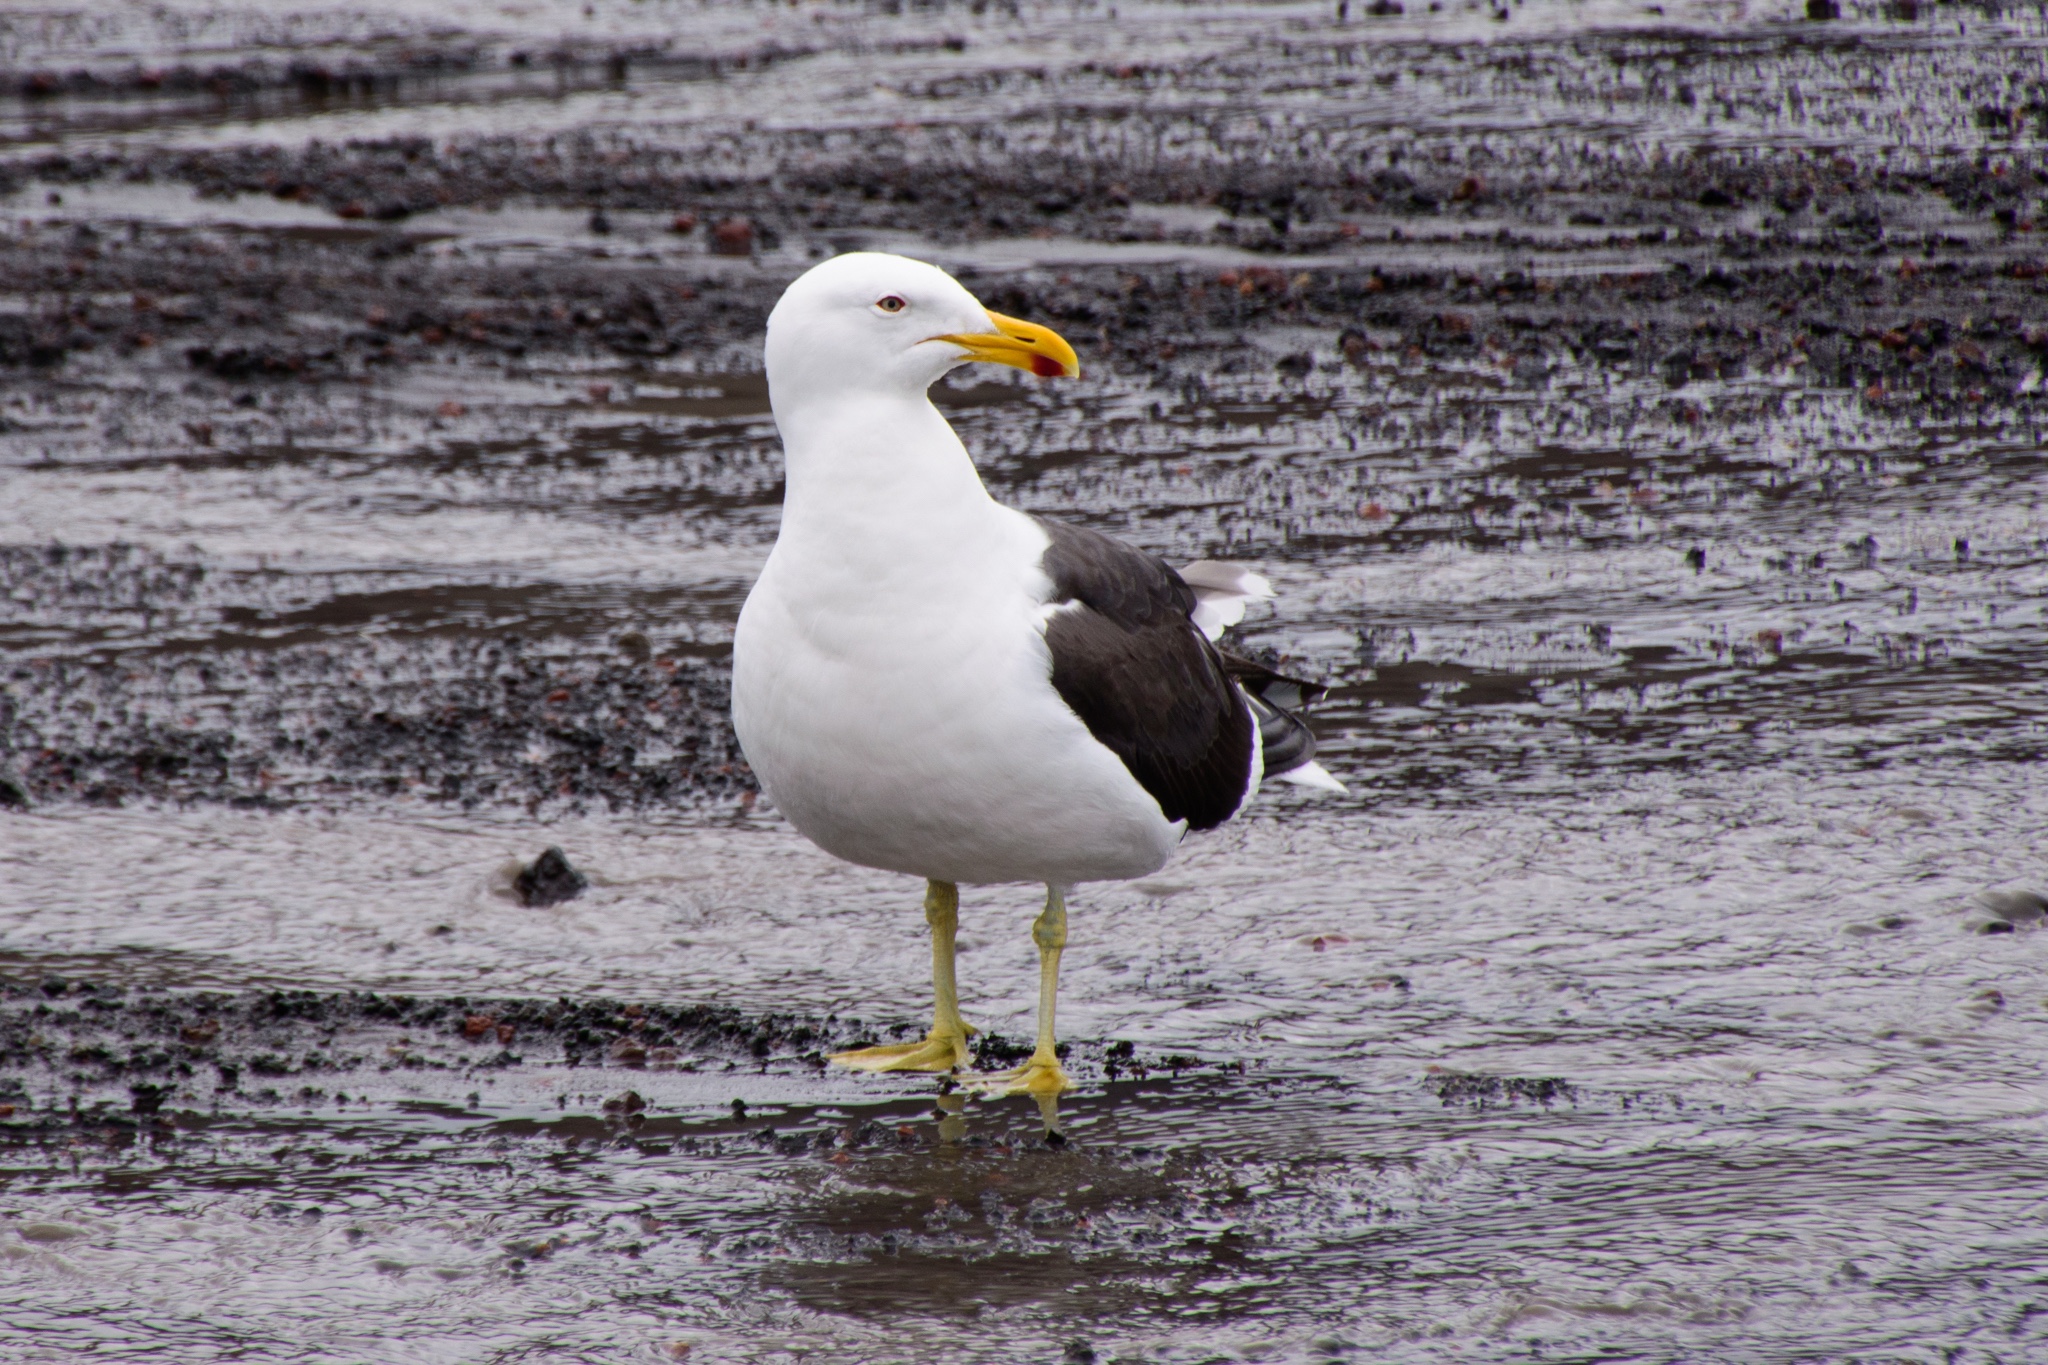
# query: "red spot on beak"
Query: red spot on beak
1045,367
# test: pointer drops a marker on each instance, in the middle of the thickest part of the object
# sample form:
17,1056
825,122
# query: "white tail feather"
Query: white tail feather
1222,590
1313,774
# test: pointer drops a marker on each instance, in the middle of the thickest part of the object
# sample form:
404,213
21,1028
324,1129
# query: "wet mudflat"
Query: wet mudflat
1640,415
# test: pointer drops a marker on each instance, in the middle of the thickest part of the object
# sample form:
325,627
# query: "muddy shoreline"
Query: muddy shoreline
233,384
1624,313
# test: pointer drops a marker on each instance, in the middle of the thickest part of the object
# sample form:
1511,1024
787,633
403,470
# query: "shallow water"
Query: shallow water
1794,1088
1679,567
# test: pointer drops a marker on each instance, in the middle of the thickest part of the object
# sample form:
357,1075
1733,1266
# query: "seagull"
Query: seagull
929,682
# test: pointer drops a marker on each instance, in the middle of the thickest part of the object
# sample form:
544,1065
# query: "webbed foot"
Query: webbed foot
1042,1077
938,1052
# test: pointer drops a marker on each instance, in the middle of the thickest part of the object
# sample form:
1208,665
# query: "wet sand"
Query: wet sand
1639,413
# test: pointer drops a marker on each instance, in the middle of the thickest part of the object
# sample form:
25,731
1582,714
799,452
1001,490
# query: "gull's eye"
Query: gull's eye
889,303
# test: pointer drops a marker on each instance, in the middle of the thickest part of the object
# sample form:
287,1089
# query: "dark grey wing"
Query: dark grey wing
1126,656
1284,738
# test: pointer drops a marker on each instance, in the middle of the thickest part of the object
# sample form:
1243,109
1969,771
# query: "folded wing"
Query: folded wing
1127,658
1133,656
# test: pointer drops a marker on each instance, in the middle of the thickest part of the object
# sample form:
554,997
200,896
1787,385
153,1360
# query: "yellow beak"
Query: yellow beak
1026,345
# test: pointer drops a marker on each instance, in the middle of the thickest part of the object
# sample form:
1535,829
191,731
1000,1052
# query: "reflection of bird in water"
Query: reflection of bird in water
930,682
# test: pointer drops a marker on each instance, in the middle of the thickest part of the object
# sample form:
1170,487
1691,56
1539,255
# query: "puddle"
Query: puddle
1696,1057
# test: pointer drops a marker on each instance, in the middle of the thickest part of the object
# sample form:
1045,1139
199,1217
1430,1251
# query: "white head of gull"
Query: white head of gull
927,681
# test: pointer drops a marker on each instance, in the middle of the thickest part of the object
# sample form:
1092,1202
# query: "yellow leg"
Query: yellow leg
1041,1076
945,1047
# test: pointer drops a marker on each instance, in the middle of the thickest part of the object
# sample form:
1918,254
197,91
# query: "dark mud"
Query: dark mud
68,1044
456,718
1702,316
1629,450
1641,414
74,1038
1699,310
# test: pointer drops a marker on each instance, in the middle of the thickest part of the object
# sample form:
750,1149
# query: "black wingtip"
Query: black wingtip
1285,741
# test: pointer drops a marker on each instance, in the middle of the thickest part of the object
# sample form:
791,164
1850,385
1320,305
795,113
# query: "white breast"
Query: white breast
892,690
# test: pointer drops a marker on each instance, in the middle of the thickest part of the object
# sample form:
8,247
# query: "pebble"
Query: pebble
733,237
50,1232
2015,906
1985,1003
549,880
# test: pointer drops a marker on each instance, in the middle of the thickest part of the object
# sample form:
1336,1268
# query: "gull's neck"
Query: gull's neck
883,465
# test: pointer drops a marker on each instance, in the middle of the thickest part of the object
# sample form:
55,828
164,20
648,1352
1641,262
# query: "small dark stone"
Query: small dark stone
1821,10
148,1099
13,794
1454,1087
549,880
733,237
1078,1352
1998,926
600,223
2015,907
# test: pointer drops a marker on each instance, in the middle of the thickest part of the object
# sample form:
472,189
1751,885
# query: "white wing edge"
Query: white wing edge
1313,774
1222,589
